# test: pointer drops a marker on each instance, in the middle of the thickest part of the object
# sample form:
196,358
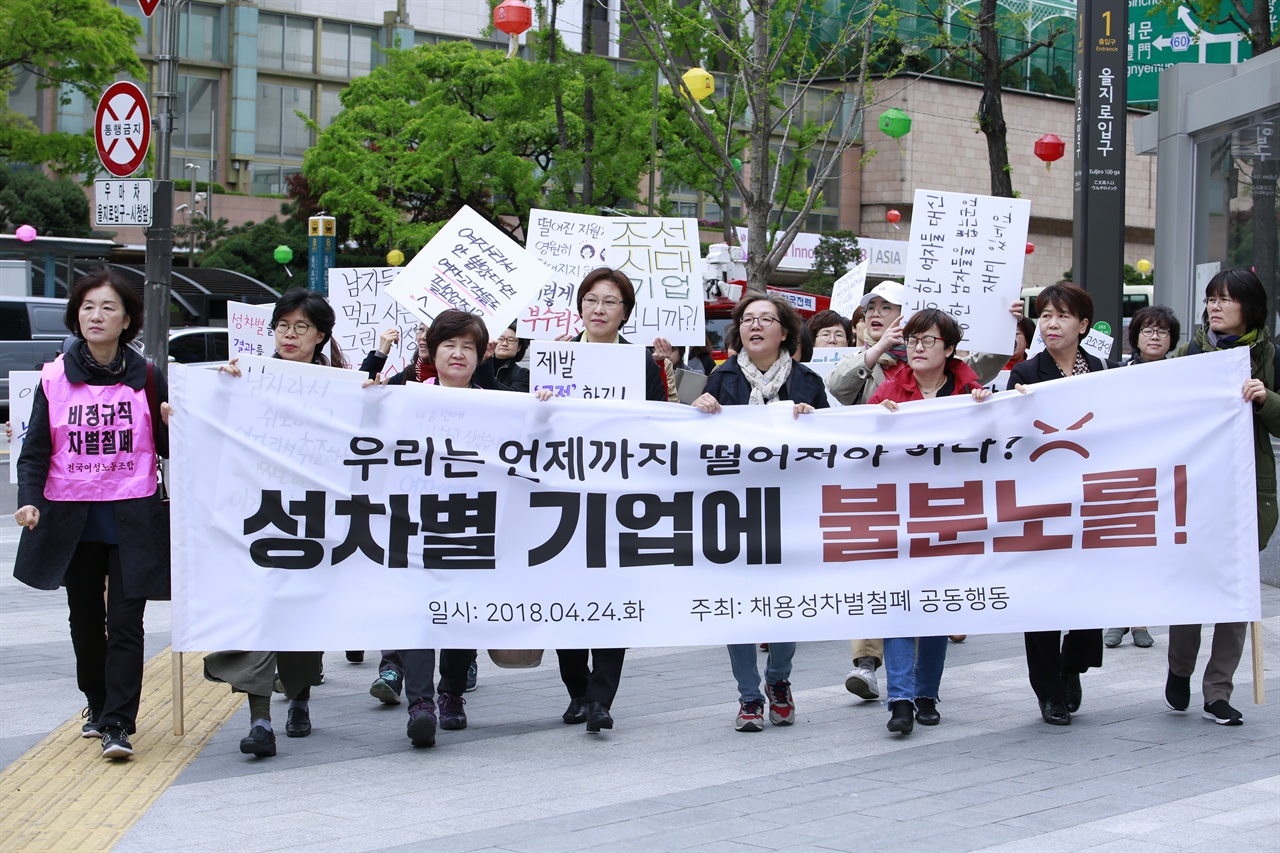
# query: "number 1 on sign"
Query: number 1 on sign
1106,16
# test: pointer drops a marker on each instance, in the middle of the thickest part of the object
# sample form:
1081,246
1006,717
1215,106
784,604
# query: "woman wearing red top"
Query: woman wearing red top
913,665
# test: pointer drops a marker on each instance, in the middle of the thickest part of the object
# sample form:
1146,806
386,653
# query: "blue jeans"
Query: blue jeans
743,658
913,666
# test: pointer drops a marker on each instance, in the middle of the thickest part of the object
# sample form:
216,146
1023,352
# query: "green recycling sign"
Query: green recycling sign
1158,39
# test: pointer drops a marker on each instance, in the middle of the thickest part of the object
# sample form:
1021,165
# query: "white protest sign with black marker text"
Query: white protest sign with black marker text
588,371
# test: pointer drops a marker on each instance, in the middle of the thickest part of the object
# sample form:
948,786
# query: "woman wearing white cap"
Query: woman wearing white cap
854,380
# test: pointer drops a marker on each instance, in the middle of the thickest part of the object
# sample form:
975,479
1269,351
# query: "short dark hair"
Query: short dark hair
522,344
615,277
1069,298
828,318
1028,328
457,324
318,311
130,301
787,313
1159,316
1244,287
947,327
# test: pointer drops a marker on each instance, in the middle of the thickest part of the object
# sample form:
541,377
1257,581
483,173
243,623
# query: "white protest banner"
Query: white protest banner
1000,383
966,256
661,256
22,392
365,310
310,516
249,329
824,361
848,289
258,365
1095,343
587,371
471,266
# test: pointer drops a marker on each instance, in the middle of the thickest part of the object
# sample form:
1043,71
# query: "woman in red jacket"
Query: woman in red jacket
913,665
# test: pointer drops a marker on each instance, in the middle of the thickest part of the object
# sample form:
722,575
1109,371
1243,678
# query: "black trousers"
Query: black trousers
106,635
420,669
1051,653
596,683
299,672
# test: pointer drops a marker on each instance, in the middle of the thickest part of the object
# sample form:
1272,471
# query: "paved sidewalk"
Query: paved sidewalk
1127,775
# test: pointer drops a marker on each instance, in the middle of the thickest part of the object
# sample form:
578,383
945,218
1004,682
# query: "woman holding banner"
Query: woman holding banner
303,323
765,332
1054,661
913,665
91,526
606,298
1235,315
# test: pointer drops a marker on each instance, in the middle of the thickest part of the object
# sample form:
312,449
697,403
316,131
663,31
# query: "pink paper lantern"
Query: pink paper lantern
25,233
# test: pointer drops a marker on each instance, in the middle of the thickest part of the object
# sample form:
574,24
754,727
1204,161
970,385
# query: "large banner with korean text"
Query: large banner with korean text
323,515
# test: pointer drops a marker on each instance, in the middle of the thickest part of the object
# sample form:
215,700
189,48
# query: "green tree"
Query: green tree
68,45
55,207
249,248
776,52
835,253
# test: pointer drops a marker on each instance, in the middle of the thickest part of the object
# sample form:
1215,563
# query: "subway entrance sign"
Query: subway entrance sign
1158,39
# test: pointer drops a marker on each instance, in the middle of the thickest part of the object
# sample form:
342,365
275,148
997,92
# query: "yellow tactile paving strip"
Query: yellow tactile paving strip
62,795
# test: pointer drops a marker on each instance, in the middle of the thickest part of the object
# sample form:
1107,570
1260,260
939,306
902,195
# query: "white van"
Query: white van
1135,297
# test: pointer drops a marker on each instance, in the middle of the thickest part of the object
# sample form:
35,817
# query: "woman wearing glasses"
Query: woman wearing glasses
913,665
1153,331
1235,315
606,299
765,332
1056,661
303,323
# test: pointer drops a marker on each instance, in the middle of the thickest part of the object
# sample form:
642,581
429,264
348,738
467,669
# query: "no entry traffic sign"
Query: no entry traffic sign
122,129
148,6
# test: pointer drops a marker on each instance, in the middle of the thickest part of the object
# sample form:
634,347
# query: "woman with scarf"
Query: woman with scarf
765,331
913,665
1235,315
303,323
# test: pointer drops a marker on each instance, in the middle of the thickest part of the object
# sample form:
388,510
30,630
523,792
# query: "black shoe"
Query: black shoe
901,721
355,657
576,712
260,742
115,744
1055,713
927,711
1074,693
1221,712
1177,692
92,722
598,717
299,723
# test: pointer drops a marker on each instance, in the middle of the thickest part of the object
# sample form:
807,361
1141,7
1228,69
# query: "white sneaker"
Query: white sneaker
861,682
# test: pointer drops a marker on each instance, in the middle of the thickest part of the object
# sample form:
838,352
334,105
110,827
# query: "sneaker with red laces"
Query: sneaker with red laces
750,716
782,710
453,716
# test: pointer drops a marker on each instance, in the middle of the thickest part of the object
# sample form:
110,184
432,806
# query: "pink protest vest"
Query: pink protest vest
103,449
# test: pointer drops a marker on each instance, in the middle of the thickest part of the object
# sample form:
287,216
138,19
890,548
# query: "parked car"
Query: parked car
199,346
31,335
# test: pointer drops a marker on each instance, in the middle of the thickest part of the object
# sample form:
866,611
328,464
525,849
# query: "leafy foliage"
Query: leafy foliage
835,253
55,207
248,249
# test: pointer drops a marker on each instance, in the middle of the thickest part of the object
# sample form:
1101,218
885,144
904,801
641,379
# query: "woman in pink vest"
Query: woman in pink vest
303,323
88,499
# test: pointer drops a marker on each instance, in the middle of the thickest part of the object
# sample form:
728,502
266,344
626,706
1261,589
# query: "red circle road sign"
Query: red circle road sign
122,129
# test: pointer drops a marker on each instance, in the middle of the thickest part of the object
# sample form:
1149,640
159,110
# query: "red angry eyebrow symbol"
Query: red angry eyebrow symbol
1048,429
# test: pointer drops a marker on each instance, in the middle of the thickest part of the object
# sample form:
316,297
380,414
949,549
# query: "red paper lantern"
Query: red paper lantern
512,17
1050,148
893,216
1031,247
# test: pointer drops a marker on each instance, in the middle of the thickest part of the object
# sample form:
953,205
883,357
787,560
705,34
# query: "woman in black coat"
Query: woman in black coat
117,544
765,331
1055,661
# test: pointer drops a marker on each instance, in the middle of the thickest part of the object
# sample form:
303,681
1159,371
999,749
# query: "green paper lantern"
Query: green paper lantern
283,254
736,163
895,123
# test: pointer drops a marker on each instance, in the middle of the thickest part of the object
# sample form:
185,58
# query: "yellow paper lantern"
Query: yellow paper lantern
700,82
1144,266
395,257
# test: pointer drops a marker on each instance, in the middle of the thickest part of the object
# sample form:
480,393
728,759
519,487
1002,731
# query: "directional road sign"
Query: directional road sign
1157,41
122,129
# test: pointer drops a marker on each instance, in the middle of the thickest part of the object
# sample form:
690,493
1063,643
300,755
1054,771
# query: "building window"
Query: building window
286,42
280,132
346,50
200,34
330,106
24,98
270,180
194,125
133,10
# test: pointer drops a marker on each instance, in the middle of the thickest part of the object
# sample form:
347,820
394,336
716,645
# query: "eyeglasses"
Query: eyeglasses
299,328
507,340
830,335
762,322
1215,301
926,341
882,308
1152,332
609,302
